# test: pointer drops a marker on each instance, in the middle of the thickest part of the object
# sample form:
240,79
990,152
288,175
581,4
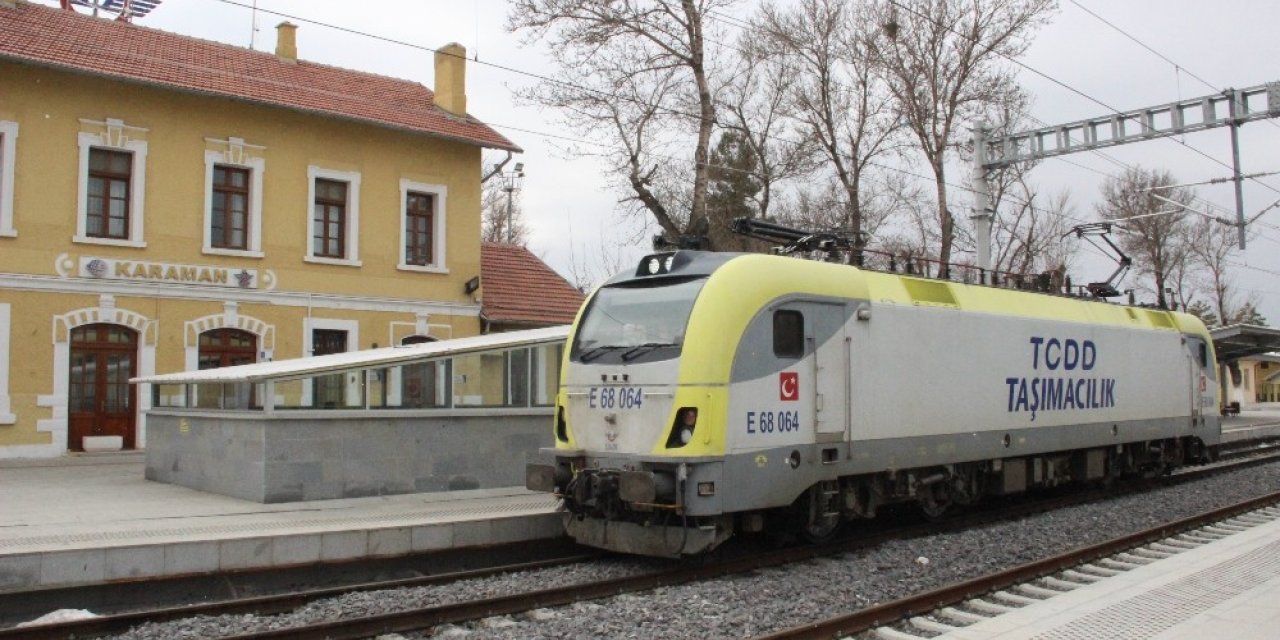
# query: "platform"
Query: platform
1229,588
93,518
1255,421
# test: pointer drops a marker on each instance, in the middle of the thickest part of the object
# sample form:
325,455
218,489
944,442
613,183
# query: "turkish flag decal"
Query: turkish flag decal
789,385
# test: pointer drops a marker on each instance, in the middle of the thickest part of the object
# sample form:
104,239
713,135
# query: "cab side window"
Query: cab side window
788,333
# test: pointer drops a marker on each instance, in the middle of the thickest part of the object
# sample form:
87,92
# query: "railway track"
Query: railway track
939,611
267,604
431,616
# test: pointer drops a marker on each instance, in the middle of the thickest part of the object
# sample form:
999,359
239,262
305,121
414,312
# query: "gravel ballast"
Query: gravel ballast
774,599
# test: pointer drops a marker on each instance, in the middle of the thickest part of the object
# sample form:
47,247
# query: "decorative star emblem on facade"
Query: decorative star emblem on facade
244,279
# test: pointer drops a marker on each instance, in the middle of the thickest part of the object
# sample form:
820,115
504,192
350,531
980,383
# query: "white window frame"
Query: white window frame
441,193
352,230
137,191
8,156
256,167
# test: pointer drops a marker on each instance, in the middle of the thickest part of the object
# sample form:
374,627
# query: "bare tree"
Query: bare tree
755,103
496,208
843,105
1213,242
636,77
944,62
1157,234
591,268
1028,227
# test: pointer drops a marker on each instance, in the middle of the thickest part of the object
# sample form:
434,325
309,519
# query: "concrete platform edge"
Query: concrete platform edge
76,567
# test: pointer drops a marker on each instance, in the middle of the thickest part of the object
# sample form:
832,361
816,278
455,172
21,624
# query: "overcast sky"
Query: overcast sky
1227,44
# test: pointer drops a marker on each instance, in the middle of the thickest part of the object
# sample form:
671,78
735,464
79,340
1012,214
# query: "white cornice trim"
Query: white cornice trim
57,284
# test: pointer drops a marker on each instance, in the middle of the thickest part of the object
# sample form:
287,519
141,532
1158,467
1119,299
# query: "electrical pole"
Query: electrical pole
981,201
1236,106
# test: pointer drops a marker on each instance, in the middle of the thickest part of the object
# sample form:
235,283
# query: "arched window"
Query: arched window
226,348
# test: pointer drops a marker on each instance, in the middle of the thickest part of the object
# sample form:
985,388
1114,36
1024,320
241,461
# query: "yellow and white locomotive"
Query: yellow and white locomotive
708,393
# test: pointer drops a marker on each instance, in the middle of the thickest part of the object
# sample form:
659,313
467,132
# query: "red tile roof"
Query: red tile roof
518,288
47,36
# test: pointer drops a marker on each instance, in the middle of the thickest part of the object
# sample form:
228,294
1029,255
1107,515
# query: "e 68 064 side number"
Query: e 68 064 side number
773,421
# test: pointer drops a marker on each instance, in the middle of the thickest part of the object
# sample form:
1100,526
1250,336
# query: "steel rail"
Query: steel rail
897,610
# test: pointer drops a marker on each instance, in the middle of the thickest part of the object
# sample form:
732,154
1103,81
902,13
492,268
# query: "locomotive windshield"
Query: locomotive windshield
636,323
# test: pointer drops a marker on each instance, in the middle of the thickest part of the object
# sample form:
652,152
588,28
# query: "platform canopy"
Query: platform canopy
1244,340
366,359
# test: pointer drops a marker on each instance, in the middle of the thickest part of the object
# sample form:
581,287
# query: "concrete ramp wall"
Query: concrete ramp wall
314,455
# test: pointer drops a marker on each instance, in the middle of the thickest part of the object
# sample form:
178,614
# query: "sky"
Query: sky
1078,67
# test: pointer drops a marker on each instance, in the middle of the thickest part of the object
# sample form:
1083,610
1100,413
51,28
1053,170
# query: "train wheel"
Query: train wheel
935,501
821,513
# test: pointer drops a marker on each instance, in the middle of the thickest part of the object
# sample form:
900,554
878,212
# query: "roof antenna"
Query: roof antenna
253,25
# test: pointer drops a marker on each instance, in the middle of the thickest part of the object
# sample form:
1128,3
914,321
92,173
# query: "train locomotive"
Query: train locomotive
705,394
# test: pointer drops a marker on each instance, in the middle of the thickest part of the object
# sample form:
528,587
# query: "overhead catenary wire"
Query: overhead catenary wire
1076,91
537,76
1156,53
543,77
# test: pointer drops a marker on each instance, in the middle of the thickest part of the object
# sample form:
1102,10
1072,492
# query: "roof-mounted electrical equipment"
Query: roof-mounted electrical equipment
792,240
1108,288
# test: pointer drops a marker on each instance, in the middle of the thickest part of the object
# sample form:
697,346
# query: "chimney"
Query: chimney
451,79
287,42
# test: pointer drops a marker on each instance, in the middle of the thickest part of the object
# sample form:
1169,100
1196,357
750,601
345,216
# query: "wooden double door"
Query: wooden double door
100,400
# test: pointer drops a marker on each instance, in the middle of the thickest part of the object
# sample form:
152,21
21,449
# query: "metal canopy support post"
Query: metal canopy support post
981,200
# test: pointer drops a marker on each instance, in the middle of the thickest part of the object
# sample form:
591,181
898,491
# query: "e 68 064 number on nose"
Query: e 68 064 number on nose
615,397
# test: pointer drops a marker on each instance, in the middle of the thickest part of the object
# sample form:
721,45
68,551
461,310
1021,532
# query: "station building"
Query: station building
172,204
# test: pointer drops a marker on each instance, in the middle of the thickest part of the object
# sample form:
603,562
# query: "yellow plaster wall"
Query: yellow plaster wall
48,106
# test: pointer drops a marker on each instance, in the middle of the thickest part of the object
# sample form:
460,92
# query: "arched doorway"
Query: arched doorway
226,348
100,400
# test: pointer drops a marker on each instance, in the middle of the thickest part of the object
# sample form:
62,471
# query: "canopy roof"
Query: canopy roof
367,359
1244,340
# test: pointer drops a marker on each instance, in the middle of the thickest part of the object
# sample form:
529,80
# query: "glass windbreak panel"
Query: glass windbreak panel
420,385
328,391
546,374
479,380
336,390
231,395
173,396
375,388
636,323
292,394
518,378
